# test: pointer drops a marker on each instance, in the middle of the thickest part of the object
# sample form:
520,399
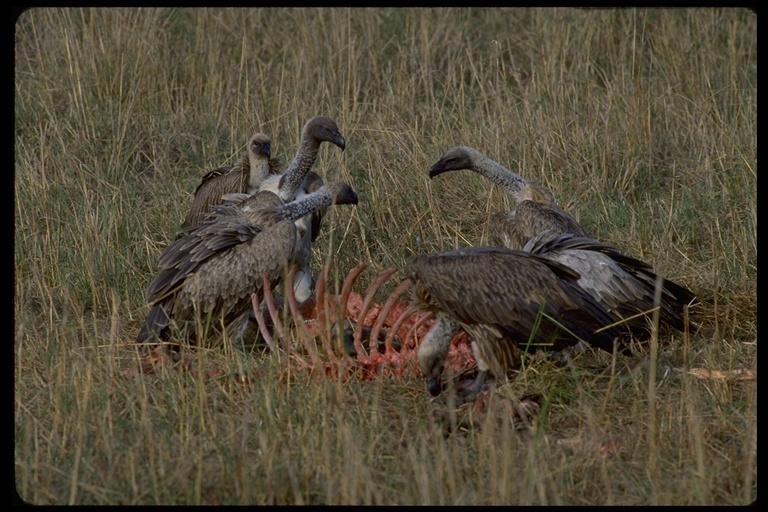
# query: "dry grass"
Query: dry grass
642,122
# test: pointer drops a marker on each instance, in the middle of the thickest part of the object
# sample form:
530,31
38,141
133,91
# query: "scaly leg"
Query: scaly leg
267,289
298,320
475,389
262,324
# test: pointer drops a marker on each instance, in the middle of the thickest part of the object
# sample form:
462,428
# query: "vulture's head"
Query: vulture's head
324,129
260,145
460,157
343,193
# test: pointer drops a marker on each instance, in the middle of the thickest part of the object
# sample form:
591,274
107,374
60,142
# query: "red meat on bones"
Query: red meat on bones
314,342
399,325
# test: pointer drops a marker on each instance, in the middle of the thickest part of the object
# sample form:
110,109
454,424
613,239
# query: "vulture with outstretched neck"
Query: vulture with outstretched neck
508,302
295,181
242,178
624,285
535,207
317,130
207,277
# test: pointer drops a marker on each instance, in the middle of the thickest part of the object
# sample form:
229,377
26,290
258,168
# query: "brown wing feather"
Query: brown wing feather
224,229
224,284
214,184
218,182
185,255
220,288
505,232
276,165
511,289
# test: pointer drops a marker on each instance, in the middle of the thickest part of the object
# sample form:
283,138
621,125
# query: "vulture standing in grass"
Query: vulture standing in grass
291,184
624,285
242,178
535,211
508,301
207,277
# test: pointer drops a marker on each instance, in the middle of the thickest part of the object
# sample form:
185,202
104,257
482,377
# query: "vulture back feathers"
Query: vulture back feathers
208,275
622,284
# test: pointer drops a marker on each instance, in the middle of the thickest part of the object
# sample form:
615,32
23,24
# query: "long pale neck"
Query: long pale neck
298,208
298,168
258,169
502,177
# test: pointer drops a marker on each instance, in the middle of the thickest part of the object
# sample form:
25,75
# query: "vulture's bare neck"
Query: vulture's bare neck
257,169
508,181
321,198
299,167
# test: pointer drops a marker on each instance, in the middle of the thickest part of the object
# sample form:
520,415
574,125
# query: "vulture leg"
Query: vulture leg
473,391
271,307
298,320
262,324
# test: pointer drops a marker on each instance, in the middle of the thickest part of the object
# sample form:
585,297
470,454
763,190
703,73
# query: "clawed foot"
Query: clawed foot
165,356
489,405
154,359
468,385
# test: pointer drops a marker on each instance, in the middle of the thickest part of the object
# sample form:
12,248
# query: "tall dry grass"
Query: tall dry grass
641,121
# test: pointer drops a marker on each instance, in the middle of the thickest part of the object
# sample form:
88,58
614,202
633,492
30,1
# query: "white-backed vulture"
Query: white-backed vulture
207,277
535,207
624,285
508,301
244,177
290,184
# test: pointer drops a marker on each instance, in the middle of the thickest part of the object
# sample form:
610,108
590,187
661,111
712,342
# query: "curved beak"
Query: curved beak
349,198
338,139
433,385
437,169
266,150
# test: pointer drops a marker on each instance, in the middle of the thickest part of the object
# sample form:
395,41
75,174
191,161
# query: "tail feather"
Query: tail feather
154,326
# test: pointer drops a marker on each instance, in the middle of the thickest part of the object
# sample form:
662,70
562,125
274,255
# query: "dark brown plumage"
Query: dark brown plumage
536,210
207,277
507,301
244,177
624,285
